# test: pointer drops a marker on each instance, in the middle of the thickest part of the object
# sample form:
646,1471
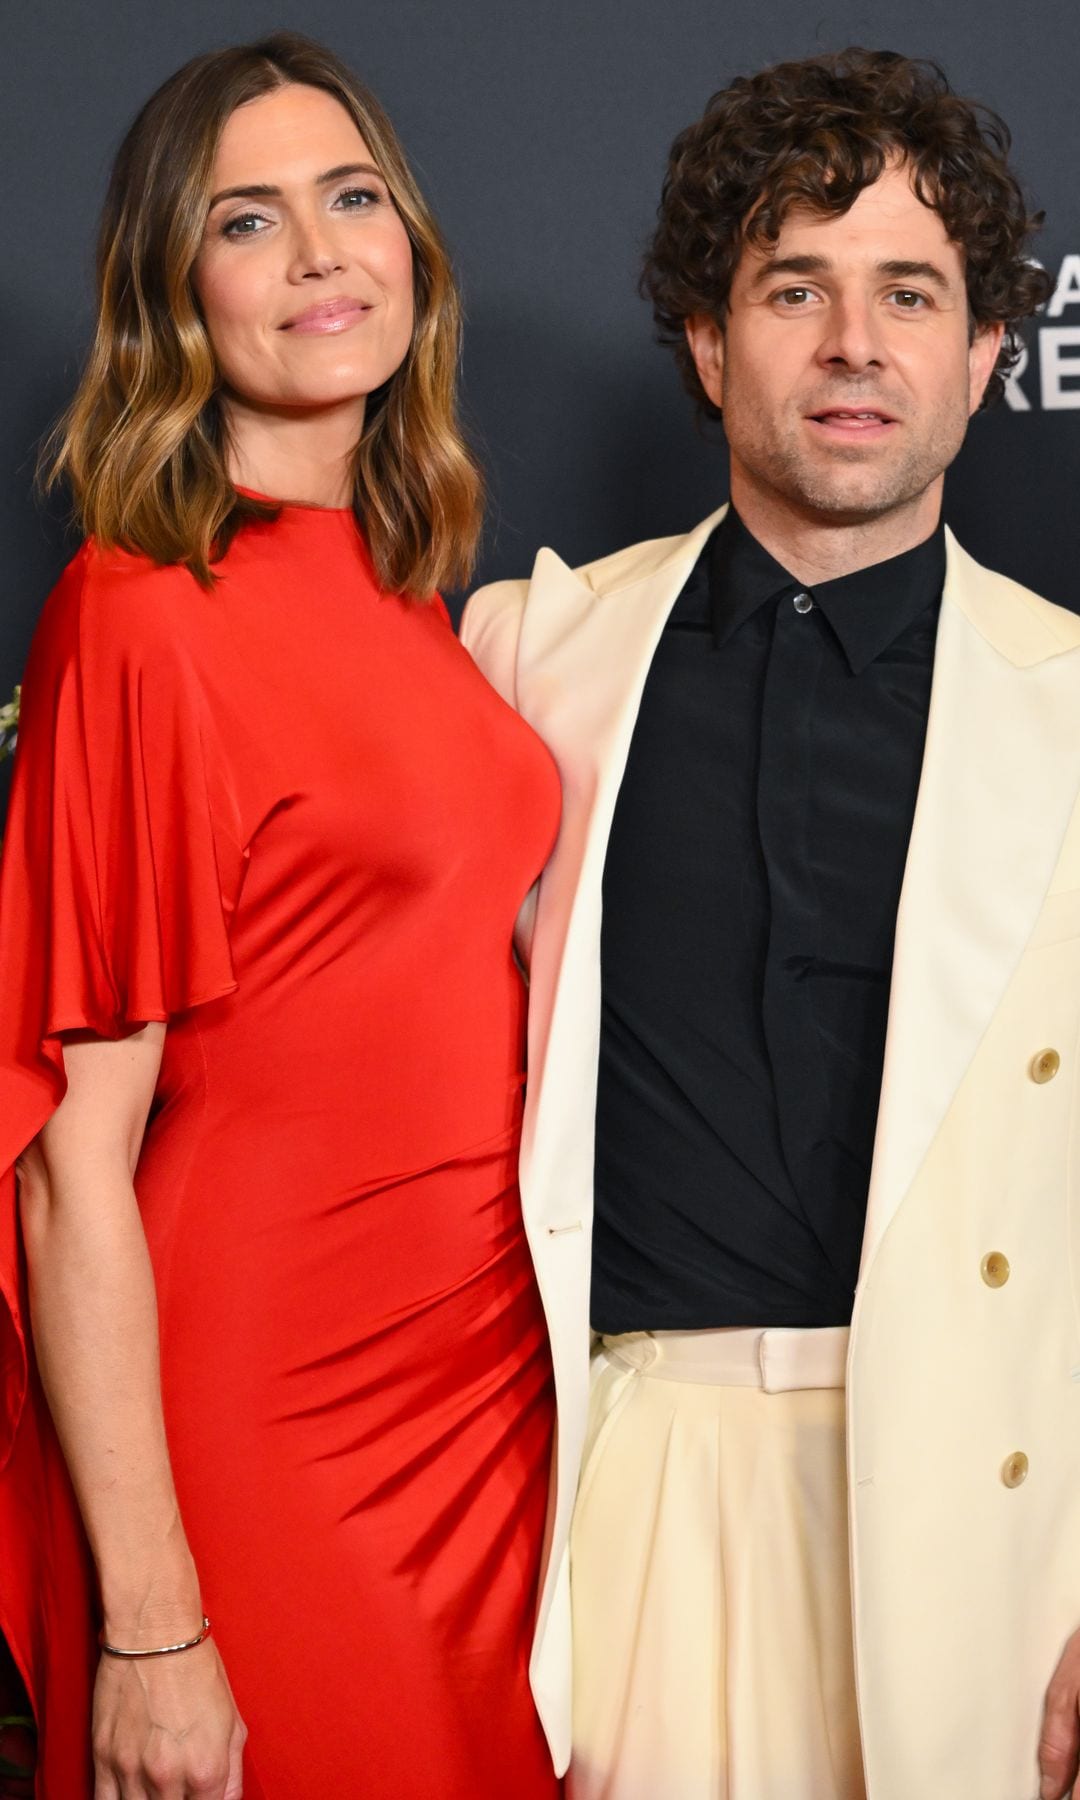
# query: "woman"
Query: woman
268,835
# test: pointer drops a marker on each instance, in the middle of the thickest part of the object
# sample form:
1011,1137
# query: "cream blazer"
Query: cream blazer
964,1373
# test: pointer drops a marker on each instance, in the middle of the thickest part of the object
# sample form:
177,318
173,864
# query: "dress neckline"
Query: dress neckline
304,506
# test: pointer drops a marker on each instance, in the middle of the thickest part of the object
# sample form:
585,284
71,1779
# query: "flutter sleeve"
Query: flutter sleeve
121,864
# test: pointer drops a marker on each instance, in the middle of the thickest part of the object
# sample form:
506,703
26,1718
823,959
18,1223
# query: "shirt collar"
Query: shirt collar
867,609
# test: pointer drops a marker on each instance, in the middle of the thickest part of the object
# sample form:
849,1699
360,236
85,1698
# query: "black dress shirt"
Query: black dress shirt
750,895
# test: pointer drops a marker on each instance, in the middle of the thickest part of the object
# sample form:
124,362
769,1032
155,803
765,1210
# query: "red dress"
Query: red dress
290,817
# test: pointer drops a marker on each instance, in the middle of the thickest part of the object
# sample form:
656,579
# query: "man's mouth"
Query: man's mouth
853,419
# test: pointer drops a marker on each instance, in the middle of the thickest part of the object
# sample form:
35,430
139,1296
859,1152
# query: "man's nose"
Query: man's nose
852,336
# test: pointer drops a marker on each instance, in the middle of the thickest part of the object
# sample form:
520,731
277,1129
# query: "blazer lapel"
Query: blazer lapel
584,654
1000,777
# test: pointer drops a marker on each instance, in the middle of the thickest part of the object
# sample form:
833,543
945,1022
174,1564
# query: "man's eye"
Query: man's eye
909,300
795,296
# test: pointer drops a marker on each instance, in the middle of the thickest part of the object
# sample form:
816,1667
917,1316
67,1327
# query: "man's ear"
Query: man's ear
982,355
706,341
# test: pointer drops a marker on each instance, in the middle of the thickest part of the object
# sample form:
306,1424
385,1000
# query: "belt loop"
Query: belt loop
633,1349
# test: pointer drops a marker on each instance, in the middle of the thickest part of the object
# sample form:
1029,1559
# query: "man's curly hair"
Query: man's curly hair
814,134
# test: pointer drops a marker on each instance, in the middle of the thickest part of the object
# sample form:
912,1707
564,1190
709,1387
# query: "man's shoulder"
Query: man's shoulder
1060,623
493,608
1019,621
497,609
634,562
489,630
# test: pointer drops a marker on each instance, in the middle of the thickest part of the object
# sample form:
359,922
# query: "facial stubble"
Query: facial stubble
839,483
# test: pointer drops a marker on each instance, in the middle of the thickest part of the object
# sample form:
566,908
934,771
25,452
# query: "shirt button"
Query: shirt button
995,1269
803,603
1045,1066
1014,1469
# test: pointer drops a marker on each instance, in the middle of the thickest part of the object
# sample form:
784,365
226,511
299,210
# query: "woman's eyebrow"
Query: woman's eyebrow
261,190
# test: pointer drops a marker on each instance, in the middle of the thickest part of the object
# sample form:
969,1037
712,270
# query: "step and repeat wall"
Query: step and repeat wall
540,132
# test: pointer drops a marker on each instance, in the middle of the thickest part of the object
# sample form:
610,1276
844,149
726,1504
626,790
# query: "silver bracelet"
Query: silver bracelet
165,1649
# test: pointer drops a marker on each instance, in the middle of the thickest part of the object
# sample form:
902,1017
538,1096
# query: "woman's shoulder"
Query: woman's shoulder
111,600
109,576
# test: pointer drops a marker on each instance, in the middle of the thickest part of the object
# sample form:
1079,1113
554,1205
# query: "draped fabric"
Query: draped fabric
288,817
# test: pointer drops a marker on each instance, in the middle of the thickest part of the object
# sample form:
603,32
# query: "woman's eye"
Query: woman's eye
357,199
252,224
244,225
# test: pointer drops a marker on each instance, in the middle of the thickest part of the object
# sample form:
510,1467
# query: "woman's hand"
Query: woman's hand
167,1729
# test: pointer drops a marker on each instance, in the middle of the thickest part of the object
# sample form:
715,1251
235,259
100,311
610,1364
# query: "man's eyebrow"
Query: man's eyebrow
791,265
896,268
917,271
263,191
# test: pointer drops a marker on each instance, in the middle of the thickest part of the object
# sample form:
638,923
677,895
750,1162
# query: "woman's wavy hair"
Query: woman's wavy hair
814,134
143,444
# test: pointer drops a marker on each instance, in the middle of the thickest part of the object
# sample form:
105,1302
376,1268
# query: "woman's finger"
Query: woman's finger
106,1785
234,1787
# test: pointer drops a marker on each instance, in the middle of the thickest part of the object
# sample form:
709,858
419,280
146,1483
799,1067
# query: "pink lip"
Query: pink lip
843,424
327,316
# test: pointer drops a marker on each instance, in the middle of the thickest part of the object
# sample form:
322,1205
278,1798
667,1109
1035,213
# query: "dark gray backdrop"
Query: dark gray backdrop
539,130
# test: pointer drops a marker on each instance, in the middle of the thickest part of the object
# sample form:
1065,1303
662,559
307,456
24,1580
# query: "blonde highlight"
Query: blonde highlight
142,445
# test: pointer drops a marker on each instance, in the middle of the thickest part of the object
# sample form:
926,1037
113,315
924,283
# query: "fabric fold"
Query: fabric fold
121,865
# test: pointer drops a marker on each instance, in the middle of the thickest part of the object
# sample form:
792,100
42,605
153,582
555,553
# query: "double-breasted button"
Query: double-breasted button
1014,1469
994,1269
1045,1066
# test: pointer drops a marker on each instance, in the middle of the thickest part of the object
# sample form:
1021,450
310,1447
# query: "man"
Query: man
811,725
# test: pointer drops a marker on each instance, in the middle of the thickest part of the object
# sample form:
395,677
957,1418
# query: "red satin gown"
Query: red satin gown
290,817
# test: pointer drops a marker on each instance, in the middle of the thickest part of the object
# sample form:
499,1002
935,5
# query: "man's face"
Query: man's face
845,368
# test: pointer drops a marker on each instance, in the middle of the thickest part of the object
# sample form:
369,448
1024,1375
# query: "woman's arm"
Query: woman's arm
169,1722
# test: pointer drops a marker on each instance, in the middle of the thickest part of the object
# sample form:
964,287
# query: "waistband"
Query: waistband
777,1359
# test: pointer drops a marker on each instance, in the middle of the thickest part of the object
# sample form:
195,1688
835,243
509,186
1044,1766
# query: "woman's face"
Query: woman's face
304,274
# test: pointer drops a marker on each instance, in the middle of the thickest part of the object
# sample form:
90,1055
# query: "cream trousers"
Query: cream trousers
709,1572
